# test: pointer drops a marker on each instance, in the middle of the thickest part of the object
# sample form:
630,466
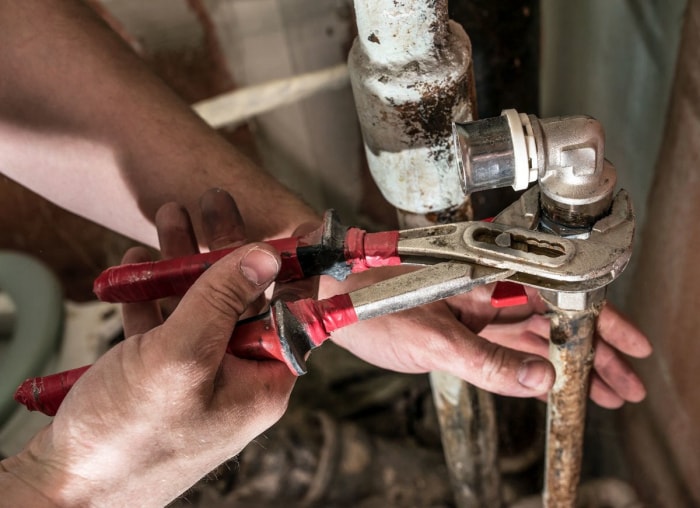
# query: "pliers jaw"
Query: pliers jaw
294,339
512,242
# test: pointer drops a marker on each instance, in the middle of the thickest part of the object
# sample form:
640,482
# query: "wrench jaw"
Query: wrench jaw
536,258
522,213
591,263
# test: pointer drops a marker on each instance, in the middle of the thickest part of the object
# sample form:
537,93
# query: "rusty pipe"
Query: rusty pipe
576,184
573,323
566,156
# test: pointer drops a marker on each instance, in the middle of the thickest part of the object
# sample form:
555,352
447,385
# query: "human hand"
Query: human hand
613,381
507,357
167,405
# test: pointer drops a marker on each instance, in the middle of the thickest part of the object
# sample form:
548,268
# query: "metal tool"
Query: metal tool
455,259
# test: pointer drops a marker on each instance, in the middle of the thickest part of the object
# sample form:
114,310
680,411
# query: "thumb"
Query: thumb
503,370
202,323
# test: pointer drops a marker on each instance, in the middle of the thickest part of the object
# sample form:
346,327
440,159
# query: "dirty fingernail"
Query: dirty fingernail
536,374
259,266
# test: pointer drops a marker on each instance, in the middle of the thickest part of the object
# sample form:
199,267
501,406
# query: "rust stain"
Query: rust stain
573,334
439,27
428,122
461,213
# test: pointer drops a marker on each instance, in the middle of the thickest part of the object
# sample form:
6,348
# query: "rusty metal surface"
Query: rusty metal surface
468,422
571,352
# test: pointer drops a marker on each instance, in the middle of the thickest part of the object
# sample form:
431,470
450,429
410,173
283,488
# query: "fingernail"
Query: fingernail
259,266
536,374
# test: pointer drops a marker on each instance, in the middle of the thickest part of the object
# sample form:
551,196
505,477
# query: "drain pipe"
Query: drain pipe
411,74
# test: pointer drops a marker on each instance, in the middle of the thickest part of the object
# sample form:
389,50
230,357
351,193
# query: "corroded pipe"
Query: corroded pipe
573,324
411,75
469,437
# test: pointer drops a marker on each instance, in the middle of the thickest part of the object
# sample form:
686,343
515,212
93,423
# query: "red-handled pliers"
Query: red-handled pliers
455,259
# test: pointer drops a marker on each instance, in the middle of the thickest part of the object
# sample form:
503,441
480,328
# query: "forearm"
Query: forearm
84,123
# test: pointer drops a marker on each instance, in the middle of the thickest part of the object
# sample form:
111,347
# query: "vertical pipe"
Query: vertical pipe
397,32
410,69
412,77
576,190
573,324
469,439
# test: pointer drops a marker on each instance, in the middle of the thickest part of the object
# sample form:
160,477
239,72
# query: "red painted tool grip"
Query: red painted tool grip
357,251
45,394
254,339
151,280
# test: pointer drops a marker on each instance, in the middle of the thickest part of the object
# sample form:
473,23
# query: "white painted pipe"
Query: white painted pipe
410,73
397,32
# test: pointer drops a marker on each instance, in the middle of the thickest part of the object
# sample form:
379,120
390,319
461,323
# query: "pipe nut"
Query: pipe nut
574,301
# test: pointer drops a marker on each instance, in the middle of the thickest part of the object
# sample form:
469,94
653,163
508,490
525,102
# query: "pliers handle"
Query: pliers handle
332,249
288,331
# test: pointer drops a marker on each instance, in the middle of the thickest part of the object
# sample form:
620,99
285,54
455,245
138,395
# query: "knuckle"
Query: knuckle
494,362
226,296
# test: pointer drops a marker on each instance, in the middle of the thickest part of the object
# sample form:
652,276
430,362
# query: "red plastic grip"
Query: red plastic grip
151,280
46,393
254,339
508,294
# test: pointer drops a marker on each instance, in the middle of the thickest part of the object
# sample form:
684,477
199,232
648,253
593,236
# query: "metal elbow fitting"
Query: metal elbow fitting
576,181
566,155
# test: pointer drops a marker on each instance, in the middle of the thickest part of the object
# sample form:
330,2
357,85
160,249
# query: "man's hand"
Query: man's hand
167,405
500,351
613,382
